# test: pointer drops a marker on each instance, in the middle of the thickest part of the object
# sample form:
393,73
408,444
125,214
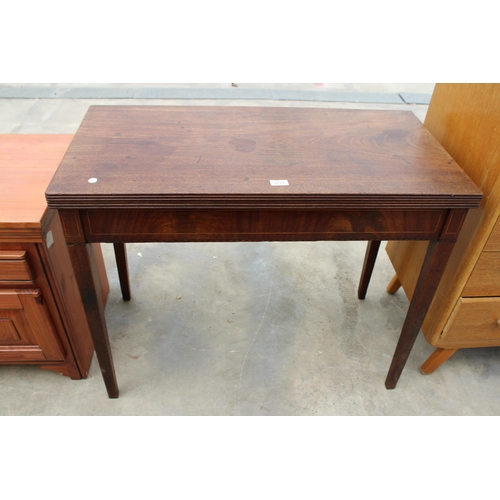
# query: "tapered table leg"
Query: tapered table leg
368,265
122,266
82,258
433,267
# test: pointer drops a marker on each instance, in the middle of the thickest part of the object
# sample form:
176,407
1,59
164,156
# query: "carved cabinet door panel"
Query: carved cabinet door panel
26,329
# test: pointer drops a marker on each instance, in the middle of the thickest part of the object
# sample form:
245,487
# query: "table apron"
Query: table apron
155,225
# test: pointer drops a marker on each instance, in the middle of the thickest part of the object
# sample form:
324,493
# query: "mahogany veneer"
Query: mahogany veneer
137,173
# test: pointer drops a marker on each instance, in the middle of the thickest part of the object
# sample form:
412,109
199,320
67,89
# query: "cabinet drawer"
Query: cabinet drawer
484,280
14,266
474,320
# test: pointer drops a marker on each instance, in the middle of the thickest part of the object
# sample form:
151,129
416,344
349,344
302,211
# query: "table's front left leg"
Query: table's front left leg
82,258
87,280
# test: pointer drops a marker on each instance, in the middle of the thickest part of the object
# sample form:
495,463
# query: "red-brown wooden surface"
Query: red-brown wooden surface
27,164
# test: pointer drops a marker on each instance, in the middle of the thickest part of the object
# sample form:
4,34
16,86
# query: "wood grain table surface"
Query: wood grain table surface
226,156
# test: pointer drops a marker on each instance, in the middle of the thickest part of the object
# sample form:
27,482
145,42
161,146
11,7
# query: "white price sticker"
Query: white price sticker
49,239
279,183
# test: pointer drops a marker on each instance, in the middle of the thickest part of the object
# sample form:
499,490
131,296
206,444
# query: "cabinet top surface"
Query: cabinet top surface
27,163
226,157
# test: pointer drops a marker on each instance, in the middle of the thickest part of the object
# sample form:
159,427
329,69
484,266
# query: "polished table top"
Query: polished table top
167,173
168,156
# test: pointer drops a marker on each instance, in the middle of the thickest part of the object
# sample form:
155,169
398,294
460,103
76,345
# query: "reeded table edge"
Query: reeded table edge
256,202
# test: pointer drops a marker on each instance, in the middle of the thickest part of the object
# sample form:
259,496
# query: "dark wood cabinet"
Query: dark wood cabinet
42,321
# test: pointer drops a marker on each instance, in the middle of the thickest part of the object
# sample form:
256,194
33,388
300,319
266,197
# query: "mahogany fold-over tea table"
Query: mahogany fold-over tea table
207,174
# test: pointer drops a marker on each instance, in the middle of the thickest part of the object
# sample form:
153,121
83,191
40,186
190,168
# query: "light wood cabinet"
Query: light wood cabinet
42,320
465,119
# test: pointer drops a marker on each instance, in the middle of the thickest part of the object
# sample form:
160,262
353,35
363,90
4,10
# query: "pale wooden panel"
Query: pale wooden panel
407,258
493,243
27,164
464,118
467,343
485,279
474,320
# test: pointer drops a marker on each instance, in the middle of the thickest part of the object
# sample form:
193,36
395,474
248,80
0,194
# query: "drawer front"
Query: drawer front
484,280
14,266
474,320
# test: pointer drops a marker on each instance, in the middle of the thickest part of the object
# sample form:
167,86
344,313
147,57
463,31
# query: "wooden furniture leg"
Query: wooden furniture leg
436,359
82,259
368,264
433,267
394,285
122,266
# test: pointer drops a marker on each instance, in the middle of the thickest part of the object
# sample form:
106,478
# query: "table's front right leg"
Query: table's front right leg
85,271
436,258
433,267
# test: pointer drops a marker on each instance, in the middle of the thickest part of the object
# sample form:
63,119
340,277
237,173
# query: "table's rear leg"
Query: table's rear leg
122,266
369,263
433,267
82,258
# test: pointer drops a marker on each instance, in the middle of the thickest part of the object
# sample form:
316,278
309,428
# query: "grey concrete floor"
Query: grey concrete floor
249,328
